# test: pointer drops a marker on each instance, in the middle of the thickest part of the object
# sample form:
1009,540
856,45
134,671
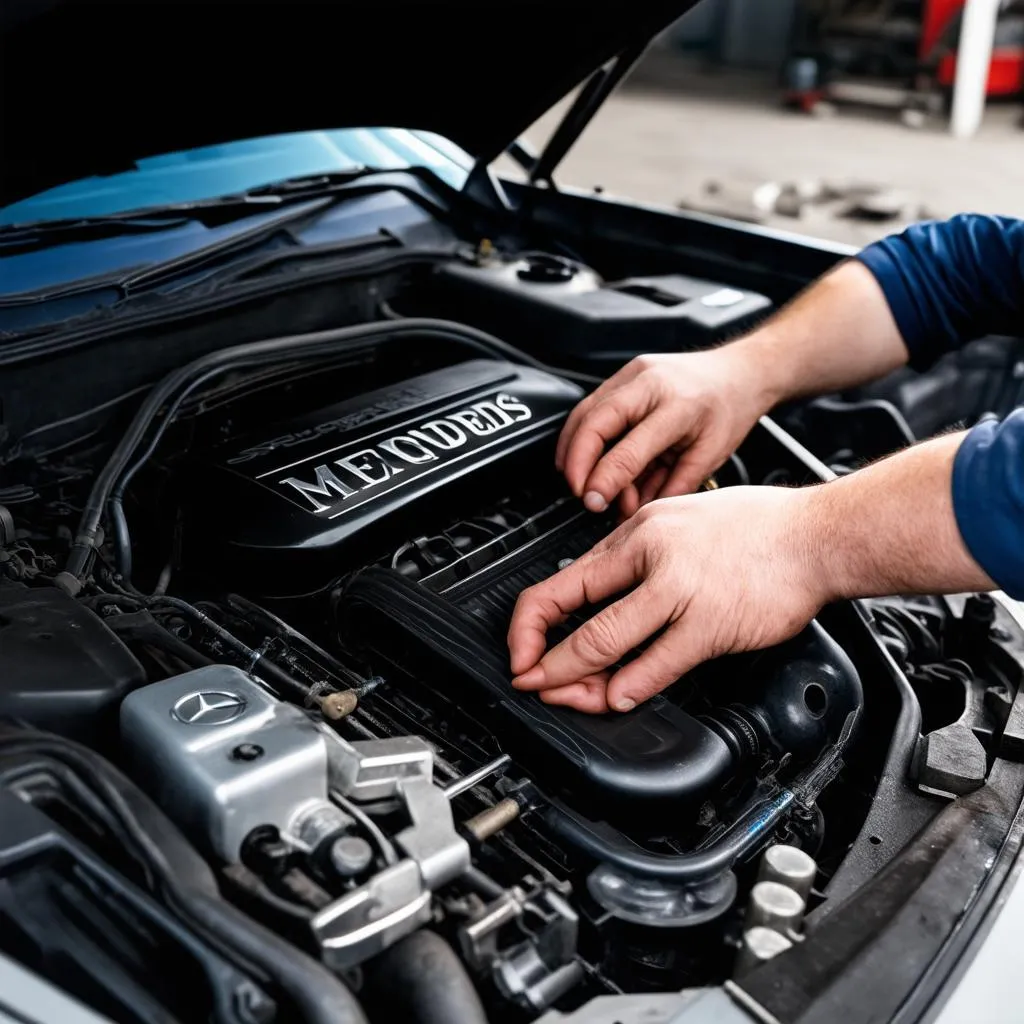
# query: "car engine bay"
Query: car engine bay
255,714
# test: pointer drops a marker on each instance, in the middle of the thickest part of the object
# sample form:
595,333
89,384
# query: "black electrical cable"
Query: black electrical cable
741,469
145,631
286,686
175,387
277,627
122,538
384,845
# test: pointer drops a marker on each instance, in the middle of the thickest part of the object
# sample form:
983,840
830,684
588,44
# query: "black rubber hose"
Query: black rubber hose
187,885
602,843
177,385
422,981
140,628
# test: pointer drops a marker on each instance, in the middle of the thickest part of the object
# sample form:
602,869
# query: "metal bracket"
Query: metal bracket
536,971
373,769
367,920
397,900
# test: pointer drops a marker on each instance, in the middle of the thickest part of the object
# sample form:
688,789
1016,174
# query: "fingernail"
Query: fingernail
532,678
624,704
594,502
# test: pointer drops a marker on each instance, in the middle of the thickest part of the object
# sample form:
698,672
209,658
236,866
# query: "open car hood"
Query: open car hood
90,88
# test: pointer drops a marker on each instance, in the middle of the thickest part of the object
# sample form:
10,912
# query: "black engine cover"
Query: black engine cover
277,511
667,755
454,629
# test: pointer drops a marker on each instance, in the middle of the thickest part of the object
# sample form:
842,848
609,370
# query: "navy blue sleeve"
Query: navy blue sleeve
950,282
988,499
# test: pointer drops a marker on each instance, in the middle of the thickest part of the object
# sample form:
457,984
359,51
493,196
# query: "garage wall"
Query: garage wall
737,33
756,32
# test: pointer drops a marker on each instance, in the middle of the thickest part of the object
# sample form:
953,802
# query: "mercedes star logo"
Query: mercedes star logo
211,707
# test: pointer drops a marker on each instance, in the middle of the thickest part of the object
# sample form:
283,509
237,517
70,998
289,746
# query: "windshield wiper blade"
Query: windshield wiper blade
17,238
128,281
311,184
26,237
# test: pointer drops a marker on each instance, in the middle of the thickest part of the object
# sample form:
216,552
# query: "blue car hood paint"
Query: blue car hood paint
363,216
238,166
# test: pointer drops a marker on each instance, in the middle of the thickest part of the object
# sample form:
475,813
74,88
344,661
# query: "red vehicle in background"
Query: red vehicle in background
941,30
893,53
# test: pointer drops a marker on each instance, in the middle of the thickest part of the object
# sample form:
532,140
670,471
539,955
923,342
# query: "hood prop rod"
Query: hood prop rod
597,89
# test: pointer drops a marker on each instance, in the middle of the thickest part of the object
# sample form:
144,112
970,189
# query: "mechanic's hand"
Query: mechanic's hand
727,570
679,418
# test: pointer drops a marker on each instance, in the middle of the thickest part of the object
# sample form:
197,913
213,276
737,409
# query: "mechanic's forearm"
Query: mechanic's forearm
837,334
890,528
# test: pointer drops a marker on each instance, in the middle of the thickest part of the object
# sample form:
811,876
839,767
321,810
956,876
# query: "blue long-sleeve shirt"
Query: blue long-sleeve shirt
948,283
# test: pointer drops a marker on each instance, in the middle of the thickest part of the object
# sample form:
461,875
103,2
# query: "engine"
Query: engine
278,510
315,691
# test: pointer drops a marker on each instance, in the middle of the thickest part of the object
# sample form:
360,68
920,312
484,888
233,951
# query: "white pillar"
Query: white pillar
974,54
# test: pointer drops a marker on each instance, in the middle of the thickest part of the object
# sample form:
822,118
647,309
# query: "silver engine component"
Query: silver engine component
538,970
224,757
397,900
365,921
777,905
789,866
371,769
758,946
774,905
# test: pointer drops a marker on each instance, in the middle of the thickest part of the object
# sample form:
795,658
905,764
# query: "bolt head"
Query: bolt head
247,752
351,855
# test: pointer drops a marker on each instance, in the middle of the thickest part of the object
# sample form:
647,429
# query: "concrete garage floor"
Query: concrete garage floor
671,129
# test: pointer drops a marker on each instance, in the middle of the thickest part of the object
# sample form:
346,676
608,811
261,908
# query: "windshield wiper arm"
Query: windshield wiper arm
126,282
15,238
19,238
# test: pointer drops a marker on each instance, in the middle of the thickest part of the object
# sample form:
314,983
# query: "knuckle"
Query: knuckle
624,459
579,414
646,518
597,639
648,532
611,409
643,535
588,428
645,689
651,383
526,599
